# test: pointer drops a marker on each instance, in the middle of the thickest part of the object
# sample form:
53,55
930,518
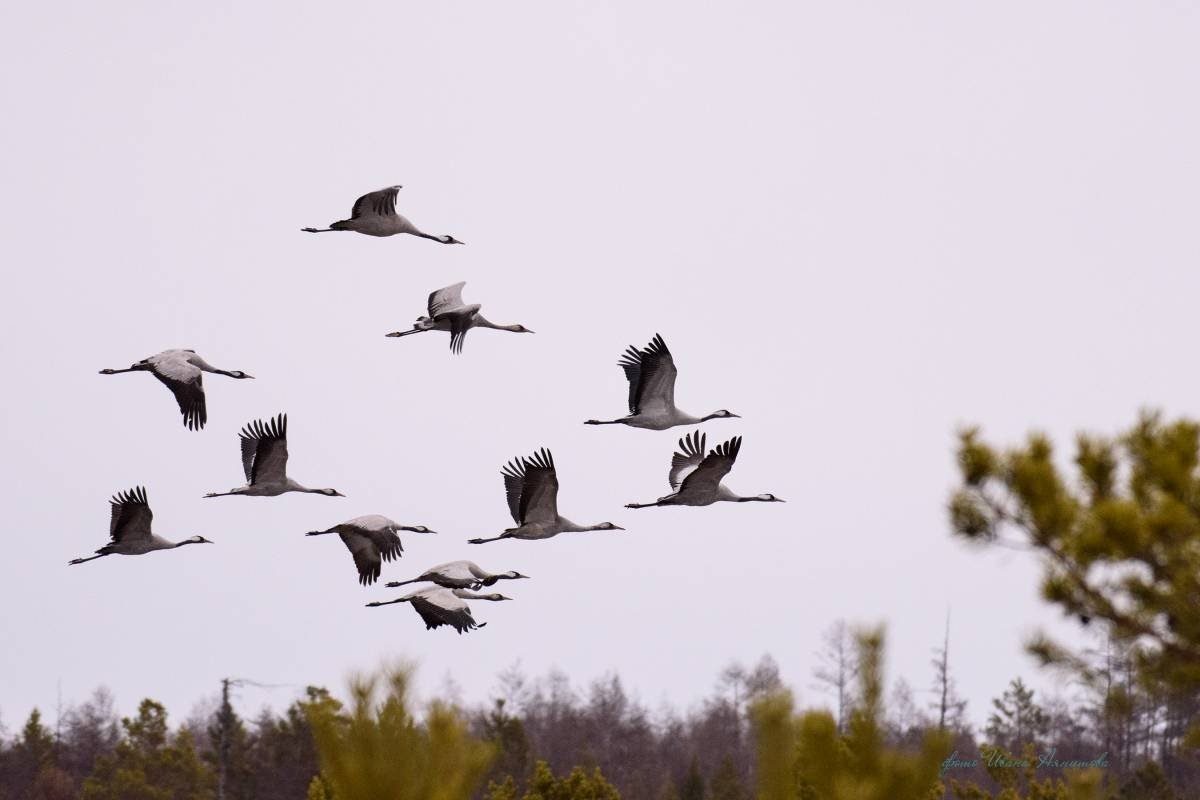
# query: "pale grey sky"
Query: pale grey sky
858,225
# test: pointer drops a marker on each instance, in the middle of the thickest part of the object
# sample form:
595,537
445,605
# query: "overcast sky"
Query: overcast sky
858,225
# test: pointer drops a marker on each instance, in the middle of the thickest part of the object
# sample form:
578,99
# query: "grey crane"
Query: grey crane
438,606
651,374
696,478
264,459
371,540
447,312
531,485
129,529
182,371
375,215
459,575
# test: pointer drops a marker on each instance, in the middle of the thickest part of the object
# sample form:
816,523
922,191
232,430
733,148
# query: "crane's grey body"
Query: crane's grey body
182,371
375,215
447,312
129,529
459,575
696,477
264,460
439,606
371,540
651,374
531,485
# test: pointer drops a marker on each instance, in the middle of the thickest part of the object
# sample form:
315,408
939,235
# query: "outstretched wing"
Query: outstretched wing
186,382
366,555
532,488
689,456
387,542
715,466
381,203
445,299
651,375
131,515
461,320
264,450
456,571
443,608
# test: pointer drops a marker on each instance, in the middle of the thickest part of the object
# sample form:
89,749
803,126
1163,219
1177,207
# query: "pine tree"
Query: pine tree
726,784
32,753
1117,542
806,757
378,749
1017,719
150,764
578,785
507,733
692,787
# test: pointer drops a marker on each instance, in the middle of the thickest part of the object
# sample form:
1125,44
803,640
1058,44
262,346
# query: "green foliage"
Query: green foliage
317,790
578,785
379,750
231,748
149,764
507,734
1147,783
1017,719
726,785
1021,782
32,756
543,785
805,757
692,787
1120,544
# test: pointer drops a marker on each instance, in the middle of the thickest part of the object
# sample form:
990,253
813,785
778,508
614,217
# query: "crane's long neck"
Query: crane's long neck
467,594
185,541
570,527
483,322
388,602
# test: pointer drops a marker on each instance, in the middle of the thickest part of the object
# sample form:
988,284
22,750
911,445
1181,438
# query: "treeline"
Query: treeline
1118,538
546,738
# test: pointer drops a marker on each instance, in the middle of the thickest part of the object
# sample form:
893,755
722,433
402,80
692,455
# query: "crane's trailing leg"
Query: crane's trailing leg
89,558
504,535
377,603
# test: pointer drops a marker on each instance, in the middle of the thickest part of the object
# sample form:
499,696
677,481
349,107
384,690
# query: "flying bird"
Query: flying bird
447,312
696,478
130,531
438,606
459,575
371,540
182,371
531,485
264,458
375,215
651,374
